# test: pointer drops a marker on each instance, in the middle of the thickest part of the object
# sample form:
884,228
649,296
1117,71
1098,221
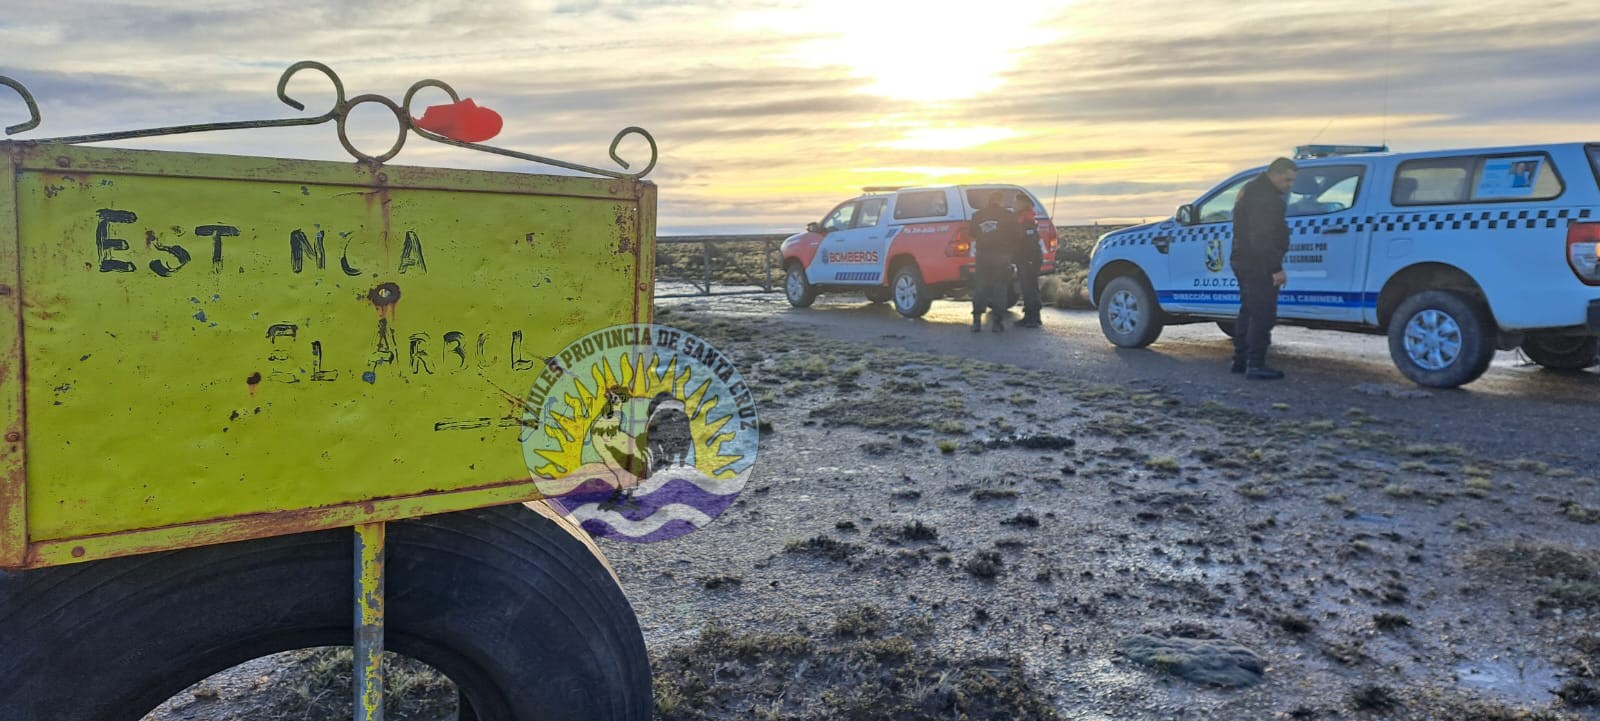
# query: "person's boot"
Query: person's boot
1238,366
977,322
999,325
1260,372
1029,320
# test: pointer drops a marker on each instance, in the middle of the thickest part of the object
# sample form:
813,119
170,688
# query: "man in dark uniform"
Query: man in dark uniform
1260,240
1029,258
995,236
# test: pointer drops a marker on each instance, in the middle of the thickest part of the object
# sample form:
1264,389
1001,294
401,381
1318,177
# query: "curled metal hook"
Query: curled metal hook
283,86
399,116
635,130
428,83
27,97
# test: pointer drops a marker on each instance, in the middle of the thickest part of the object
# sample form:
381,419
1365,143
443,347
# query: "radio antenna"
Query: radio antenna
1053,195
1388,73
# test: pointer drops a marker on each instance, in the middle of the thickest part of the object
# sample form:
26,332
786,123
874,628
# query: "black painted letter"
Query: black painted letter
104,243
217,233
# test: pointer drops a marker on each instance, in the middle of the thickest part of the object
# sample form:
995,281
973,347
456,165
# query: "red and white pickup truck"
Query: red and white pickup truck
904,245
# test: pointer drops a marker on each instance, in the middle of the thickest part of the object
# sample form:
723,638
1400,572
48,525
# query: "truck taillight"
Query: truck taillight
1583,251
959,246
1050,238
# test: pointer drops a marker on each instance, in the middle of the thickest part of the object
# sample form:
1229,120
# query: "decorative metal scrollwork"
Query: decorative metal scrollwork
340,113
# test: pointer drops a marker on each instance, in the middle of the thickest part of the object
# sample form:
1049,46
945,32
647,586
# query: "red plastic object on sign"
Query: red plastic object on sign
463,120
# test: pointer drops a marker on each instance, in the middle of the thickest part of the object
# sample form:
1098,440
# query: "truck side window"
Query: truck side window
871,210
1476,178
1219,207
921,204
1432,181
1324,189
840,218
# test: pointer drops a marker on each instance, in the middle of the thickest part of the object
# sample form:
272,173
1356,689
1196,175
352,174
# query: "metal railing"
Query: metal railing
696,265
740,264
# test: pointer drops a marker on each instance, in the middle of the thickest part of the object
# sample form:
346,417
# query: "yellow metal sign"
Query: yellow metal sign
210,348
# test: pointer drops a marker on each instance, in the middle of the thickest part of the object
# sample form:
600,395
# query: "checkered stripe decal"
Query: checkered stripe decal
857,275
1384,222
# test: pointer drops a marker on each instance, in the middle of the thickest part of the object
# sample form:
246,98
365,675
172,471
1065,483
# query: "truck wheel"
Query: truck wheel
1563,352
796,288
911,296
519,614
1129,316
1440,339
879,294
1226,326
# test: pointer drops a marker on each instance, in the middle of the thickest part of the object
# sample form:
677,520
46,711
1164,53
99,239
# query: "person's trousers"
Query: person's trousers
990,278
1028,278
1258,312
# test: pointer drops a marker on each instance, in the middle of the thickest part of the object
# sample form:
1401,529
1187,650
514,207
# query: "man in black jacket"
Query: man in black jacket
995,236
1029,259
1260,240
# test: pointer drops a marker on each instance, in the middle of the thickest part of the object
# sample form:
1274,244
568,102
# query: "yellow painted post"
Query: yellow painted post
368,670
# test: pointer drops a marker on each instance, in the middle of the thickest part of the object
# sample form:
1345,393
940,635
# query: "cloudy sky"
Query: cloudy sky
767,112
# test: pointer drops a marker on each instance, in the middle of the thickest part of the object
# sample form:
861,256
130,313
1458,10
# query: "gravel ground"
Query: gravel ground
931,536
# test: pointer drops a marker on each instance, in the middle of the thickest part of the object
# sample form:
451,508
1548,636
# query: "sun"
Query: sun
917,52
641,375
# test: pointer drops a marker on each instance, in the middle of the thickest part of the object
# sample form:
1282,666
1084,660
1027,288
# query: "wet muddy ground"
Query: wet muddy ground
930,535
1114,552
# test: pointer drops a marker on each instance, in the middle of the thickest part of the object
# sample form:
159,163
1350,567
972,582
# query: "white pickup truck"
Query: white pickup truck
1451,253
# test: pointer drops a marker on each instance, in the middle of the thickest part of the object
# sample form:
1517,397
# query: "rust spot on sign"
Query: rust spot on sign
386,294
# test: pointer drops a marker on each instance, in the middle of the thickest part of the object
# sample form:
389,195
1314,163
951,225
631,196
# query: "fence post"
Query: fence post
766,263
705,254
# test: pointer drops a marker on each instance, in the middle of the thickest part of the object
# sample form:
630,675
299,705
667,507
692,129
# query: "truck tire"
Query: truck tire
1562,352
911,296
1129,316
1440,339
1227,327
878,294
519,614
796,288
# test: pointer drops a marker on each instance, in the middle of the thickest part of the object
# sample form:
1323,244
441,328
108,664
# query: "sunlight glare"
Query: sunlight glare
920,52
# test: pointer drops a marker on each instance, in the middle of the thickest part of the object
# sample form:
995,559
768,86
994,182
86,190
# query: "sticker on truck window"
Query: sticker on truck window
1509,177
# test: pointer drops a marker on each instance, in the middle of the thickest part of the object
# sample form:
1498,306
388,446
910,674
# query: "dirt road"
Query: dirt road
1516,408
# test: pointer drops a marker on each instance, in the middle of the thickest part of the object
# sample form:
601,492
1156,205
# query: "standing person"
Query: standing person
1260,240
995,234
1029,258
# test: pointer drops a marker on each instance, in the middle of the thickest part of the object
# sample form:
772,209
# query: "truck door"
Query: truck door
855,254
1327,243
834,225
1197,278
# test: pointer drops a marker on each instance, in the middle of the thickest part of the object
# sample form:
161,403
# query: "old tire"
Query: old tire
1129,316
796,288
1440,339
1562,352
518,613
878,294
911,296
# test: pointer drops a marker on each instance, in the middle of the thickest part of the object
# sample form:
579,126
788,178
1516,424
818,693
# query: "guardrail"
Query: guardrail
743,264
695,265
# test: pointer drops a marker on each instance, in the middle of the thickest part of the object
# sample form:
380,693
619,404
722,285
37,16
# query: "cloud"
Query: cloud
1137,106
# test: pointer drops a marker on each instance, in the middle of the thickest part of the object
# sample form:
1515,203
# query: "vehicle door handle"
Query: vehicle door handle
1335,230
1162,243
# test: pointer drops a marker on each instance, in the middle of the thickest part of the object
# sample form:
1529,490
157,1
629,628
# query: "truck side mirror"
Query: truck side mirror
1185,214
814,227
